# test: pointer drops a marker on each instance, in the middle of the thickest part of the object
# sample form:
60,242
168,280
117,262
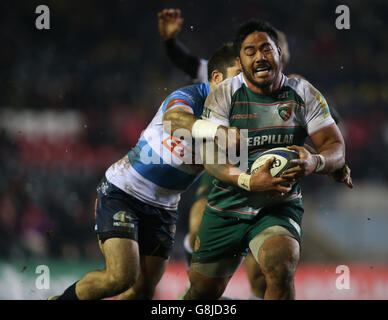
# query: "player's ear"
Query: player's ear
281,62
217,76
280,52
239,62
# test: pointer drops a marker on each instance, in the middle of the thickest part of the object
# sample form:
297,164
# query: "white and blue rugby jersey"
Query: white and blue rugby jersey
156,170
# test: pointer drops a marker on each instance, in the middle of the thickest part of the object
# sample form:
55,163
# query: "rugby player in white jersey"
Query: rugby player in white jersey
138,197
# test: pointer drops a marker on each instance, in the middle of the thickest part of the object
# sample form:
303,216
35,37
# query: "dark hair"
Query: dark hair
251,26
222,59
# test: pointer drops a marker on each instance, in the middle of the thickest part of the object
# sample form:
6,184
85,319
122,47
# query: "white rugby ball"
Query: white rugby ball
283,156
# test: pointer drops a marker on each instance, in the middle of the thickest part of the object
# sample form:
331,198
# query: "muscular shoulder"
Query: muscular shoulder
315,113
221,95
218,103
227,88
192,96
305,90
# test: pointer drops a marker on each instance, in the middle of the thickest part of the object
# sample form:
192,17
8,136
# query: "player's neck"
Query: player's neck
271,89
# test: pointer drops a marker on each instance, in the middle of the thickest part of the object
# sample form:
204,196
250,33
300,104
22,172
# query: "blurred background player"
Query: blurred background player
170,23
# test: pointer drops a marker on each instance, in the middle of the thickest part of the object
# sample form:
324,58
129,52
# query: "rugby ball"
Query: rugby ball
283,157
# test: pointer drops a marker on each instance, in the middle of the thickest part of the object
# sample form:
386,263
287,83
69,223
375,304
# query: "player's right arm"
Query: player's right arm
260,181
179,117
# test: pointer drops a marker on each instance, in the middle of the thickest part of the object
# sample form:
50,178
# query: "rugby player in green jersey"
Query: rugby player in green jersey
169,26
269,224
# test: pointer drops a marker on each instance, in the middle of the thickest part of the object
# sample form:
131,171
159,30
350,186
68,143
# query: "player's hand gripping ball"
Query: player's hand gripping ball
283,157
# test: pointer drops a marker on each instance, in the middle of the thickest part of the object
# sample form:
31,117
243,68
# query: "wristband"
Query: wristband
244,181
204,129
320,162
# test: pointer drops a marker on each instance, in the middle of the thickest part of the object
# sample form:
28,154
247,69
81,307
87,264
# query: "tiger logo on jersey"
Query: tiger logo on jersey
285,112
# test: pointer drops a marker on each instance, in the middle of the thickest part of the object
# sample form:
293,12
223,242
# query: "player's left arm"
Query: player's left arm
330,146
324,133
178,118
340,175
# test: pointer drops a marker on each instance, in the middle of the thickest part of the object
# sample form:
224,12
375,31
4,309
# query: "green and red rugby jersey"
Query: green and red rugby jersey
283,119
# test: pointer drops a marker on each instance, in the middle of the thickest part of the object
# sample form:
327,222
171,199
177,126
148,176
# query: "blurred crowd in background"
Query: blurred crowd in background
75,98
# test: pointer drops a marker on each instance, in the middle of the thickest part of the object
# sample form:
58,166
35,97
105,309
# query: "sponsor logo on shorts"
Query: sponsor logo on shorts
103,187
122,219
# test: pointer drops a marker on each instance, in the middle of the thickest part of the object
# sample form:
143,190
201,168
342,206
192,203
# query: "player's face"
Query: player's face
260,59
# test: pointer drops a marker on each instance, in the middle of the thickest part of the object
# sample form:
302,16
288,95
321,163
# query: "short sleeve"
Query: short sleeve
317,114
179,98
218,104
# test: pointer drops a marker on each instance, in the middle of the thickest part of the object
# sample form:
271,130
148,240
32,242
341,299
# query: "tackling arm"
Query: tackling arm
331,146
218,166
181,118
